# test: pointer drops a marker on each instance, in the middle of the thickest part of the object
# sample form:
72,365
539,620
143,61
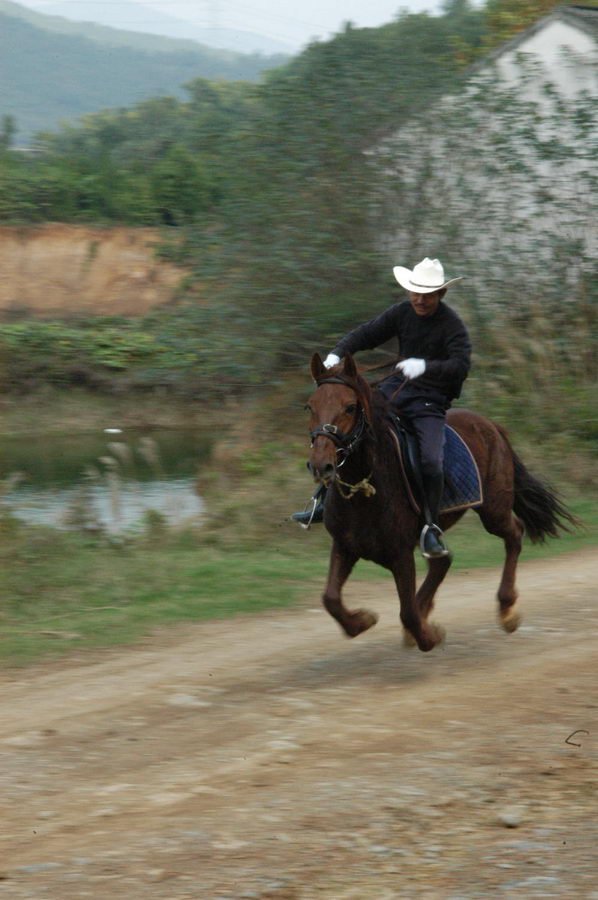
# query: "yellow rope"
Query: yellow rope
364,485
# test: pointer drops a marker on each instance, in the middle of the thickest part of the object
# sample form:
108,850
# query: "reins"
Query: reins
384,366
398,390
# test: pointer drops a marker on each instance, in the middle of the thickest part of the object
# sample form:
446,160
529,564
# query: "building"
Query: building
505,169
563,43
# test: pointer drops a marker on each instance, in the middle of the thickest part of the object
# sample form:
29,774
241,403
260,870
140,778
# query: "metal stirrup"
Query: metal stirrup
314,503
422,539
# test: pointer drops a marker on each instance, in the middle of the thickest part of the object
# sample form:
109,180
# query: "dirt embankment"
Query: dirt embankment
267,757
59,269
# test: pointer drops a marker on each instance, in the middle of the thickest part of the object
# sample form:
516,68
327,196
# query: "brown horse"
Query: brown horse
367,510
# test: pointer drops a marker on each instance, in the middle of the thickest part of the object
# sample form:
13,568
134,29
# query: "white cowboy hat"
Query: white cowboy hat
427,276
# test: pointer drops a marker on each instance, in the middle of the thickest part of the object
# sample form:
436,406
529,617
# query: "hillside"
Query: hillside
133,29
58,270
135,16
47,77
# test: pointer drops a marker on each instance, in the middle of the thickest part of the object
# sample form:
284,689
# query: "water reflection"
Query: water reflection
100,480
175,499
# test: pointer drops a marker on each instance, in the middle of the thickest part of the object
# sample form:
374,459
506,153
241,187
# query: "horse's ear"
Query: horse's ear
317,367
363,392
350,367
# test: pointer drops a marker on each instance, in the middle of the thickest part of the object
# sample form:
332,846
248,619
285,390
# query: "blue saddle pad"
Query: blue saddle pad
462,485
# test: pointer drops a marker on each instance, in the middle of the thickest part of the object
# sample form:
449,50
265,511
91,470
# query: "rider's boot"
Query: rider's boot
315,510
431,540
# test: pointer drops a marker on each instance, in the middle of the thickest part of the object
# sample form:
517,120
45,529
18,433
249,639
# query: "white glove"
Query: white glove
411,368
331,360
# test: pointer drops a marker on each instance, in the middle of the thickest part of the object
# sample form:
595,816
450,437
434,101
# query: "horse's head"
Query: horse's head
340,413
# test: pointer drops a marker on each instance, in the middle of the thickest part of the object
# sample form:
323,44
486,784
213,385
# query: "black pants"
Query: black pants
427,416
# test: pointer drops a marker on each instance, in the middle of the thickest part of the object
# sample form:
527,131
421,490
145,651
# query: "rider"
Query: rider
436,351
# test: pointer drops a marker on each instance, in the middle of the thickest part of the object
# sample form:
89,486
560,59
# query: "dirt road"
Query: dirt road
269,757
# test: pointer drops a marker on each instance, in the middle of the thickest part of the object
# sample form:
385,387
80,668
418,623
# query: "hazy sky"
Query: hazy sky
286,20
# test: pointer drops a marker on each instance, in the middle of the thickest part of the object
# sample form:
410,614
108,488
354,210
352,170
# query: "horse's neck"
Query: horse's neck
358,464
363,460
376,454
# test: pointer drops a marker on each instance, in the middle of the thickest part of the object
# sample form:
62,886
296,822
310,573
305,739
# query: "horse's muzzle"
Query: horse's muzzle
324,473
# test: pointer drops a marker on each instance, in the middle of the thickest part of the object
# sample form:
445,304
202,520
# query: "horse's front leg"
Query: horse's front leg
425,634
353,622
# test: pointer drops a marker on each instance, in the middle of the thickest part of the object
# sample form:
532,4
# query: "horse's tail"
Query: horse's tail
537,504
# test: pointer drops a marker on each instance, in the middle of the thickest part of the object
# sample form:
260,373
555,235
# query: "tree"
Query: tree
7,132
180,188
506,18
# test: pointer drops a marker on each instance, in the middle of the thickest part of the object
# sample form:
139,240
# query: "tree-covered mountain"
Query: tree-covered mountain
48,77
133,15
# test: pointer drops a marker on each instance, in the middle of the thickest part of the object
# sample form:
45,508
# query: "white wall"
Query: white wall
561,50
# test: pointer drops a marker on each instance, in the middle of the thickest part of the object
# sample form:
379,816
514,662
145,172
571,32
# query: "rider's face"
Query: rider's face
426,304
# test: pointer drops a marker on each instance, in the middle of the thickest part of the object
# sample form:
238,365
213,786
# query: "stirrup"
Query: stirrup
310,517
434,533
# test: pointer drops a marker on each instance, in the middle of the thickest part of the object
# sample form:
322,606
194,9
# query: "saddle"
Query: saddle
462,483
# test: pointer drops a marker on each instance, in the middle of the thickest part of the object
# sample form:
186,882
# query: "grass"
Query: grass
79,410
63,591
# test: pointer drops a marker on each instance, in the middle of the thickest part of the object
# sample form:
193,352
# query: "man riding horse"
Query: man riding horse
436,355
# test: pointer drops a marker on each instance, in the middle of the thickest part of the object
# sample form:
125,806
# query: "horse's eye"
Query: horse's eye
350,408
308,407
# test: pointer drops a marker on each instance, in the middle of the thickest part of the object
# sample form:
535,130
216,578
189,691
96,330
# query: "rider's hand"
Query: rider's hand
331,360
412,367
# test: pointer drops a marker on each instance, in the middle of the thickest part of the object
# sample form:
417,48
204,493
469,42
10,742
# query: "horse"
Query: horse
367,510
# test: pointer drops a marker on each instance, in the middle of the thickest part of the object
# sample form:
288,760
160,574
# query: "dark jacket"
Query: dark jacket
440,339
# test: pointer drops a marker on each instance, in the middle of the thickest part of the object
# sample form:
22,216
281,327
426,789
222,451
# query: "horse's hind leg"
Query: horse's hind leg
509,528
353,622
437,569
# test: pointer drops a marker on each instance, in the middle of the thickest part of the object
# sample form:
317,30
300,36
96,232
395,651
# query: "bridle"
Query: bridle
345,443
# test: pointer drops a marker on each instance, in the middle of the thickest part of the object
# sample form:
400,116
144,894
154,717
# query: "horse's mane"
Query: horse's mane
375,404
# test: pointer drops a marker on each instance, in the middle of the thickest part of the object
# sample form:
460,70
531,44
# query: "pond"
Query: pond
104,480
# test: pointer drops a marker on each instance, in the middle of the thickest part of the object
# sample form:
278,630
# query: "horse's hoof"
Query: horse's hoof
408,639
359,621
438,633
431,637
510,619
